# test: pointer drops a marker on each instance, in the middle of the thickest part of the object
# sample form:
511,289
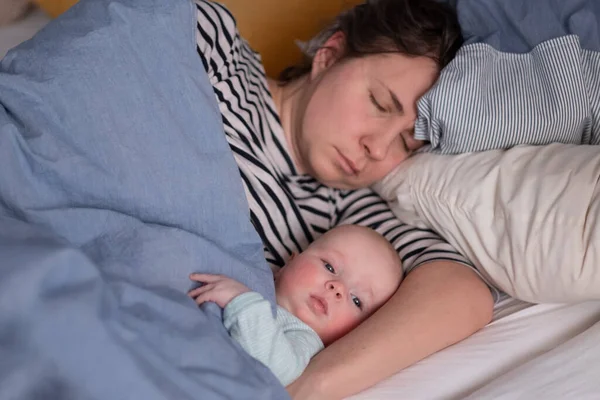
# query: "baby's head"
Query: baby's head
339,280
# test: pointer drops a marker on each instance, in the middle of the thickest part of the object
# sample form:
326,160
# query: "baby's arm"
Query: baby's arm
219,289
283,343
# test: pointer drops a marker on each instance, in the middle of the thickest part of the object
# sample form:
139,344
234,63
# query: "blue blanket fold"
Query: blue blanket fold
517,26
116,182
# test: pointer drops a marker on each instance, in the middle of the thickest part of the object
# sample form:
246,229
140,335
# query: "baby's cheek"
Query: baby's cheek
310,272
305,316
342,327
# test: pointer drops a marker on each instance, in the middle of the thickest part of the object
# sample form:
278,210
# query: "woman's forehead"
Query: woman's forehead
394,66
407,78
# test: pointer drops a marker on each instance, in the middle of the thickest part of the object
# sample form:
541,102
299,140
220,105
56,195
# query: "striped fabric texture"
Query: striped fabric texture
289,210
486,99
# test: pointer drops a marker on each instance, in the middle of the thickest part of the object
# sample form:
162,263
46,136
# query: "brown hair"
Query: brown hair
414,28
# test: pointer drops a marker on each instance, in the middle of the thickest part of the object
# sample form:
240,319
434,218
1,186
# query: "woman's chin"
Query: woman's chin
338,184
334,178
345,182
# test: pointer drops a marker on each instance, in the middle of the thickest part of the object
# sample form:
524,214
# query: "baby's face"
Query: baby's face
339,280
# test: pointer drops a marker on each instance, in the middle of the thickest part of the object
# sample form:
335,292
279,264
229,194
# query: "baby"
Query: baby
322,294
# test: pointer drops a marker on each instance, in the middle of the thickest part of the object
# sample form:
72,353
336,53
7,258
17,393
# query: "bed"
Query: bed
529,351
546,350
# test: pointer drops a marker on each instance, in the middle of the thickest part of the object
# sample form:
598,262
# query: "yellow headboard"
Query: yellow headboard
271,26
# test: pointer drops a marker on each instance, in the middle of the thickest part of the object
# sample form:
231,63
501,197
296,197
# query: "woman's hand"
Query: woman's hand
217,288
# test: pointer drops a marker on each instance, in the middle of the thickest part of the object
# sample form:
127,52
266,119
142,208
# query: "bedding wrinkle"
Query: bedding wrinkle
122,184
532,238
530,224
591,69
499,100
425,186
288,210
590,240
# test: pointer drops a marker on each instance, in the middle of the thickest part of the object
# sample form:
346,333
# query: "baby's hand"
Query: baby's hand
217,288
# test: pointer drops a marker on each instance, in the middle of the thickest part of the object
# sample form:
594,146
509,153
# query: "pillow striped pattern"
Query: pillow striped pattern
486,99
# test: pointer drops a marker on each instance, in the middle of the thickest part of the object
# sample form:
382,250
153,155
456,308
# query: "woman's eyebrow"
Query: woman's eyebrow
397,103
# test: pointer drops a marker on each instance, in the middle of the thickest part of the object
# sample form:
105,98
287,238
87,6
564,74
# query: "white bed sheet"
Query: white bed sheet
569,371
518,343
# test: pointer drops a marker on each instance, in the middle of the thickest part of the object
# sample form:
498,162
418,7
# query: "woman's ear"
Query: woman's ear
331,51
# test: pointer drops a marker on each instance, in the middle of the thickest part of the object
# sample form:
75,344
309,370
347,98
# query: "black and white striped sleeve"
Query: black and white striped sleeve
415,246
216,34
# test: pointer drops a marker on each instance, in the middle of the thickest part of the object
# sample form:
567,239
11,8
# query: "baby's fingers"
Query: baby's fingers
203,297
208,295
205,277
199,290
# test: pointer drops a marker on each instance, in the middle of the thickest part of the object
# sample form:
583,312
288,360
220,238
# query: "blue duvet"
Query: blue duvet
116,182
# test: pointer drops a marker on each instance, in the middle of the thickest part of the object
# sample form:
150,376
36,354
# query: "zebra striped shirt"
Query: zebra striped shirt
288,210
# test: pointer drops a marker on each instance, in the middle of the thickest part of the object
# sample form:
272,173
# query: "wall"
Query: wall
271,26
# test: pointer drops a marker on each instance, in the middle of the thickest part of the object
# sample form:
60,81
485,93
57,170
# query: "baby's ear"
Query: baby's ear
276,273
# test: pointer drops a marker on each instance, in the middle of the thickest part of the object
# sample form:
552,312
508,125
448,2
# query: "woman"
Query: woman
309,147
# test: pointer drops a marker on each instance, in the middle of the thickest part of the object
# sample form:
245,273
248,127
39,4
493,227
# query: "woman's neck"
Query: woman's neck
287,99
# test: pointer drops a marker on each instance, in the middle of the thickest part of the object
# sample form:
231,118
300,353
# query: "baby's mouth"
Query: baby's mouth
318,304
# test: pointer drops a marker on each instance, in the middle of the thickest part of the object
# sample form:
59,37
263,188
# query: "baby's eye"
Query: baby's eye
329,268
356,301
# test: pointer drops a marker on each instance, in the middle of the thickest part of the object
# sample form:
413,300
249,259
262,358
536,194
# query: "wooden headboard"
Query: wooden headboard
271,26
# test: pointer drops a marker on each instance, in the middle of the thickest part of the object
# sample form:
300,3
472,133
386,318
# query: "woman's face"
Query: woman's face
356,116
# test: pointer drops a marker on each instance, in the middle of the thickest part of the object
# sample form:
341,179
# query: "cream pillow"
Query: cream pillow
528,218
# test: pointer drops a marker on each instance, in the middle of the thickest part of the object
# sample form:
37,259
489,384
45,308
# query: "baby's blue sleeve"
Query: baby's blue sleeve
283,343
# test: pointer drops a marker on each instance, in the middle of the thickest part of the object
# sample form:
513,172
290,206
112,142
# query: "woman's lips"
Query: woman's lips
318,304
347,165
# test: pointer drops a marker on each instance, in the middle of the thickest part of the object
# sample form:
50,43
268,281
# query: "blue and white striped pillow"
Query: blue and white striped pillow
487,99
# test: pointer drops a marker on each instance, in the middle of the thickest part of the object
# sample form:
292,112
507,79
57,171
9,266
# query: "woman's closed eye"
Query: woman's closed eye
377,105
404,144
356,301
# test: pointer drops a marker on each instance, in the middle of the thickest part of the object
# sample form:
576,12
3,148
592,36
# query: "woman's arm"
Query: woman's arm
438,304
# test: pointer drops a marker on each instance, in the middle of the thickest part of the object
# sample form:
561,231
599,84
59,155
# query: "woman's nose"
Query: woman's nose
377,145
336,288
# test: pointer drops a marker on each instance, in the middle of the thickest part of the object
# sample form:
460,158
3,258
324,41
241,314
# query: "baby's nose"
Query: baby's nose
336,288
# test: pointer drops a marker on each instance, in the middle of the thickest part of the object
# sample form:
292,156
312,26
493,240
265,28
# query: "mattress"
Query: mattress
523,340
